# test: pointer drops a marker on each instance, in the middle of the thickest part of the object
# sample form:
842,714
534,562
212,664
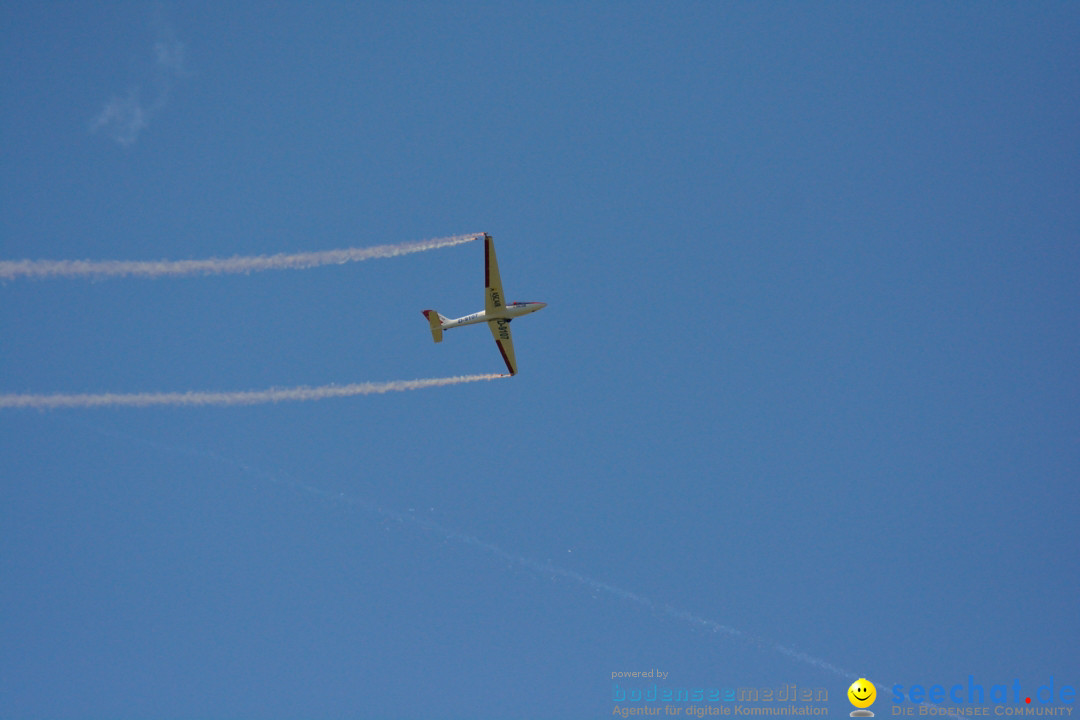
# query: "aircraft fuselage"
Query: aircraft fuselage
506,312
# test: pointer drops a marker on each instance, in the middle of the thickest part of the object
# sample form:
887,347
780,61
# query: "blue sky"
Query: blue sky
808,368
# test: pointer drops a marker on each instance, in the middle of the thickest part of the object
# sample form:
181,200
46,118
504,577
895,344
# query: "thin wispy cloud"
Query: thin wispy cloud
124,117
169,54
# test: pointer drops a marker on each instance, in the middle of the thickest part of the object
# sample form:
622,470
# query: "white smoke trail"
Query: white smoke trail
14,269
250,397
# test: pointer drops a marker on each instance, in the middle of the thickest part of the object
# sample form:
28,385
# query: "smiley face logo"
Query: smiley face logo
862,693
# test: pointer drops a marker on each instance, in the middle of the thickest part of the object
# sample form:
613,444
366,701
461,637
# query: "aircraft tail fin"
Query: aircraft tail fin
435,320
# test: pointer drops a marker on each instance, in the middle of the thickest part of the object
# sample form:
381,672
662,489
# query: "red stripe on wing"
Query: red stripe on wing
505,358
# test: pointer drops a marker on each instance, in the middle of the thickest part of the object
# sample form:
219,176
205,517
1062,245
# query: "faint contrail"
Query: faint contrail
249,397
543,569
13,269
550,569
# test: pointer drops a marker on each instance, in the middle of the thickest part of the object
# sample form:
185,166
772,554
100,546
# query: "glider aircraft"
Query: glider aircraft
496,313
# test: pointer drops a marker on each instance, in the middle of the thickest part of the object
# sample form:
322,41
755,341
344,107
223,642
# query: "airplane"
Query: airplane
496,313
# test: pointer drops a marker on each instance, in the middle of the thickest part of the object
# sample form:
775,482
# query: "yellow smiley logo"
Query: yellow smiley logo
862,693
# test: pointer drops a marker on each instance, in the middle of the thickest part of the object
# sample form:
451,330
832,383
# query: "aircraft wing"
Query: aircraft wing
500,329
493,289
